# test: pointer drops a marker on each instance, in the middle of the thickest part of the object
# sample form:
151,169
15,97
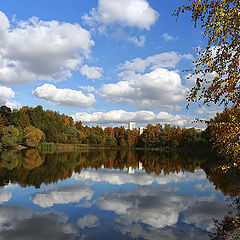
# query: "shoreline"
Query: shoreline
74,147
61,147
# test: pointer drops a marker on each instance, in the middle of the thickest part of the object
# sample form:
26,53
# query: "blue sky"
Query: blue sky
103,62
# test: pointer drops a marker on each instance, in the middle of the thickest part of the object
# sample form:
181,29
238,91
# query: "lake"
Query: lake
108,194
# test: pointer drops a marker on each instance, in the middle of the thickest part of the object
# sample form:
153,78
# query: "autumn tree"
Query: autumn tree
148,138
167,132
24,120
3,122
110,139
32,136
217,71
178,135
225,132
132,137
120,135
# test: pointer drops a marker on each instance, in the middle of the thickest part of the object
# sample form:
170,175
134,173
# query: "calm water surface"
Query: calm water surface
111,195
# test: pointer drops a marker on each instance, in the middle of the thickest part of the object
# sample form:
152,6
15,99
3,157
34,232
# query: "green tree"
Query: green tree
10,136
51,133
112,141
73,135
123,142
3,122
24,120
63,138
5,111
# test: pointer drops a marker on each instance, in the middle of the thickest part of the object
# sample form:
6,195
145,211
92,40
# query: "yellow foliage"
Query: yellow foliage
225,132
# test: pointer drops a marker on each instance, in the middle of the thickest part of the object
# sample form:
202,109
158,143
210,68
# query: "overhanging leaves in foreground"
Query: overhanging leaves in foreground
216,71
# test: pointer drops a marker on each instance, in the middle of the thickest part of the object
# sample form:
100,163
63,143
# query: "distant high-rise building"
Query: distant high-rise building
132,125
141,129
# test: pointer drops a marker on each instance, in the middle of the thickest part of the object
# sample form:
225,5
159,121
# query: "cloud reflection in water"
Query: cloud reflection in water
139,178
161,207
62,195
22,224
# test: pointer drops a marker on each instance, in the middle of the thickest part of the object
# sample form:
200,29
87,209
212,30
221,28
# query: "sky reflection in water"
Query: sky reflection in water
108,203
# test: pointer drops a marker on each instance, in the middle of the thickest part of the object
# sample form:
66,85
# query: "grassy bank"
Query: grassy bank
60,147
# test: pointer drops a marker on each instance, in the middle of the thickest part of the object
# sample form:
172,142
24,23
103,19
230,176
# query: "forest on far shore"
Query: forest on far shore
30,126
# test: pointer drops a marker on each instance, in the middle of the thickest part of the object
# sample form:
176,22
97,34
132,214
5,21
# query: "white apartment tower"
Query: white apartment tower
141,129
131,125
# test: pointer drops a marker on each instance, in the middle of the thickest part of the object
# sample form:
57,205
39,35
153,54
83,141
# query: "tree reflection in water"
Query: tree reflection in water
33,168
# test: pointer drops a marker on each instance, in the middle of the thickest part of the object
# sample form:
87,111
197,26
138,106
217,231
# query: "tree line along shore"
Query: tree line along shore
29,127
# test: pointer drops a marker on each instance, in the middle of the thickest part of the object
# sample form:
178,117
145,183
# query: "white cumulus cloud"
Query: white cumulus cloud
161,60
137,13
138,41
6,94
91,72
87,88
149,83
210,111
166,37
6,97
159,88
41,50
121,116
64,96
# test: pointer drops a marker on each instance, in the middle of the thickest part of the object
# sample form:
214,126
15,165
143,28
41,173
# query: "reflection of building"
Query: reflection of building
131,125
131,170
141,130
